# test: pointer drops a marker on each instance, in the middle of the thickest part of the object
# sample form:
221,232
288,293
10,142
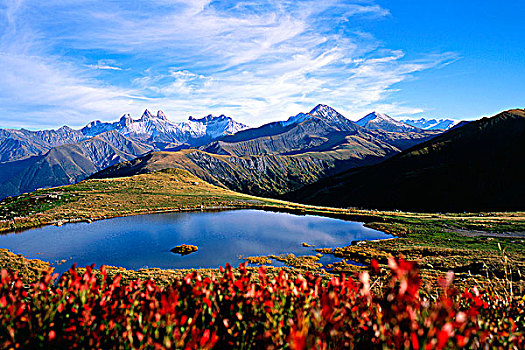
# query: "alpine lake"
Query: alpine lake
145,241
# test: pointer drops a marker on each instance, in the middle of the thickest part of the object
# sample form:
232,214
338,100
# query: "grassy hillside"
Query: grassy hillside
258,175
172,189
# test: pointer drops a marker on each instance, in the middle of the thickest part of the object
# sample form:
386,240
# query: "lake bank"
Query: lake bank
221,237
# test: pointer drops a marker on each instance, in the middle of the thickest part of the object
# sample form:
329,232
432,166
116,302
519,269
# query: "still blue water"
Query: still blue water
142,241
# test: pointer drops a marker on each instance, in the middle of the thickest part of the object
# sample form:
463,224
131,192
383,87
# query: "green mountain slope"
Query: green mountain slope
260,175
478,166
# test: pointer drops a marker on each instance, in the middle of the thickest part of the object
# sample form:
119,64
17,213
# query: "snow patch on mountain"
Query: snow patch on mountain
379,121
431,124
215,127
322,112
158,126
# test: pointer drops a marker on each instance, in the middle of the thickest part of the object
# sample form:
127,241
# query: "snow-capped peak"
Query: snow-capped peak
380,121
161,115
208,118
322,112
326,112
159,127
147,115
215,126
374,116
125,119
432,124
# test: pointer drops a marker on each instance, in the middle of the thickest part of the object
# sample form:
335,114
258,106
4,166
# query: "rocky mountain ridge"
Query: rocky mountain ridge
281,156
321,142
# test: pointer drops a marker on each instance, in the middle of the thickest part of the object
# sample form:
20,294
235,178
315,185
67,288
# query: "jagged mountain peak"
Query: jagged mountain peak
64,128
158,128
147,114
124,119
322,107
321,112
161,115
326,112
380,121
93,124
217,126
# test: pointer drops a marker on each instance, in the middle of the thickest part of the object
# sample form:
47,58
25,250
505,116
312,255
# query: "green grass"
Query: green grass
33,203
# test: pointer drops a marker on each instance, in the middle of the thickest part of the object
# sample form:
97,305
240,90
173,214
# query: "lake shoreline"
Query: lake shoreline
222,235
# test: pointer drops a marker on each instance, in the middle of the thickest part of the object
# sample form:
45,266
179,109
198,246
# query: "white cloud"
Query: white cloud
255,61
38,92
105,65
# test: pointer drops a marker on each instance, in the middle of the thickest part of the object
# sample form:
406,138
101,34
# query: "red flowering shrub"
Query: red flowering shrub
227,311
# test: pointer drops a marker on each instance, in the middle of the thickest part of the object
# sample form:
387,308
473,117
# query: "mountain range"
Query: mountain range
431,124
68,163
270,160
162,133
479,166
35,159
155,130
319,157
279,157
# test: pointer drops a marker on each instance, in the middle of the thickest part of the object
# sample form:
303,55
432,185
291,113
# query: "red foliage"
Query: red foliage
94,311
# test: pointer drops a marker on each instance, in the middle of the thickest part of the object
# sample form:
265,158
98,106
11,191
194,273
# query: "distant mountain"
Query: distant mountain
67,164
320,130
155,130
269,160
158,130
34,159
21,144
479,166
321,114
330,115
431,124
378,121
281,156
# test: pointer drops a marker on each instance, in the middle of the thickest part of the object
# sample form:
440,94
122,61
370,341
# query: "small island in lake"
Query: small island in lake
184,249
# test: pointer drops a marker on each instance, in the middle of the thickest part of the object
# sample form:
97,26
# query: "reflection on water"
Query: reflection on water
145,241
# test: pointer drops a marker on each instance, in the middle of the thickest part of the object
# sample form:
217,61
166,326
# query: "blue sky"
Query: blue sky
70,62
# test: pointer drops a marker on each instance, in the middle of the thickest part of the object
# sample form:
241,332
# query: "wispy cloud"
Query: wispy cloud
255,61
39,92
105,65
